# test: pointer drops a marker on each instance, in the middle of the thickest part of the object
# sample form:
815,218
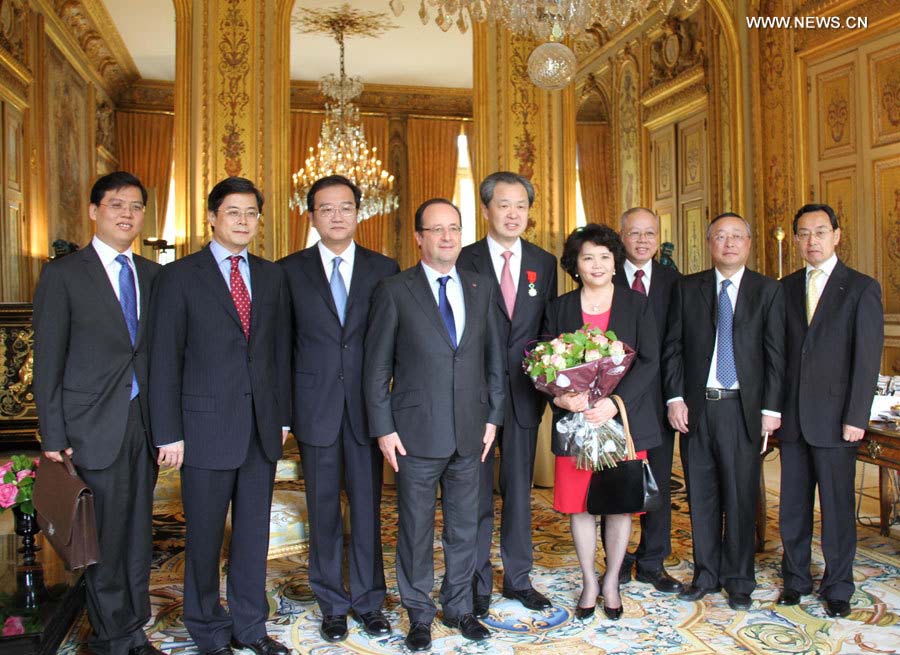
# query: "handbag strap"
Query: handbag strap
629,442
67,462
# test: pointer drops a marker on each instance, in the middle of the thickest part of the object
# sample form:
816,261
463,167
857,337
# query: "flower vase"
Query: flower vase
26,526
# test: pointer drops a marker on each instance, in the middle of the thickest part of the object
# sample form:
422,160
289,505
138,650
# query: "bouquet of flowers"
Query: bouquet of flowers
17,483
585,360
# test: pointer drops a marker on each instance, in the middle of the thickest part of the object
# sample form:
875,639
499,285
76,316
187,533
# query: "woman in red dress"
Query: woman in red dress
591,256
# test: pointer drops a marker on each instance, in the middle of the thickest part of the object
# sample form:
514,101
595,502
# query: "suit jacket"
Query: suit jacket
631,318
441,397
758,344
662,281
207,383
524,328
328,358
832,363
84,359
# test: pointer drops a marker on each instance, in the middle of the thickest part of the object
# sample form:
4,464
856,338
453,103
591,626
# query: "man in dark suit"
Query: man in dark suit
331,285
430,332
639,230
526,282
835,332
219,401
723,367
90,383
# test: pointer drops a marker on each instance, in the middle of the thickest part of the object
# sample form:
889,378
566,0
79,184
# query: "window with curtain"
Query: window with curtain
464,191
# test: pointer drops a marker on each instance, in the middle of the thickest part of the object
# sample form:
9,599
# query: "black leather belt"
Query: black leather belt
722,394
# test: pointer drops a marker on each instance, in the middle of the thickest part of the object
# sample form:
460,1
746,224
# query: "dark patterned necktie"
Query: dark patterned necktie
638,284
240,295
446,309
726,371
128,301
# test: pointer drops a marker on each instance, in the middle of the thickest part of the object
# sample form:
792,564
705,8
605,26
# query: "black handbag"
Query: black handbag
628,487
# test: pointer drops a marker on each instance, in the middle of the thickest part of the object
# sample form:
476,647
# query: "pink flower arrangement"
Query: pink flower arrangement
13,626
17,483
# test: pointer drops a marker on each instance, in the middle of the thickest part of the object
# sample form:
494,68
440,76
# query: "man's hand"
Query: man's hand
602,412
678,416
852,433
171,455
572,401
770,423
56,455
284,435
390,445
490,431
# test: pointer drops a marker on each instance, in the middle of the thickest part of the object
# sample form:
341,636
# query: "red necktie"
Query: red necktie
240,295
507,288
638,284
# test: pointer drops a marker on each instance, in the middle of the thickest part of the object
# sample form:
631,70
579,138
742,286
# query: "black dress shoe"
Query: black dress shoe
789,597
739,602
481,605
375,623
419,637
264,646
583,613
837,608
145,649
692,593
334,627
661,580
468,626
625,573
612,613
530,598
224,650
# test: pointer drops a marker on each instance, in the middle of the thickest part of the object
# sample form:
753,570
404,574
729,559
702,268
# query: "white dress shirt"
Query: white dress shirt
454,296
345,267
107,255
630,269
827,267
515,262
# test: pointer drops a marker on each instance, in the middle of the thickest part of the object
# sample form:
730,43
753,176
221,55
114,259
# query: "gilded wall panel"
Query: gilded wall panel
887,223
839,189
14,30
692,159
836,118
627,129
234,124
692,217
725,120
884,73
666,226
663,156
68,118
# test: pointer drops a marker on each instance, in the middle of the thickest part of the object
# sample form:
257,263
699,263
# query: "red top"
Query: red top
599,321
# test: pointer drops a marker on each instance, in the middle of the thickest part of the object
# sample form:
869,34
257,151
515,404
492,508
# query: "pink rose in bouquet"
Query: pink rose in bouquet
13,626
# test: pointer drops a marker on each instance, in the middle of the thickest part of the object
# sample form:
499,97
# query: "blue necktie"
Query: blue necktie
128,300
446,309
726,372
338,290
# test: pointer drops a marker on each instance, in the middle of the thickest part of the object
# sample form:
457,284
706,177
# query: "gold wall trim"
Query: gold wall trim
15,68
677,107
148,96
111,37
392,99
881,14
689,78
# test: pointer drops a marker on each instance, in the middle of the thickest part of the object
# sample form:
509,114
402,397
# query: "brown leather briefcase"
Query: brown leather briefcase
64,505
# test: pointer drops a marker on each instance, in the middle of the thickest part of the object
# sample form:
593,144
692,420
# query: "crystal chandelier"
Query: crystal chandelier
342,148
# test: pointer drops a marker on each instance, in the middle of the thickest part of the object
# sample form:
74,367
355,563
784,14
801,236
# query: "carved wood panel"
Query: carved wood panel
13,264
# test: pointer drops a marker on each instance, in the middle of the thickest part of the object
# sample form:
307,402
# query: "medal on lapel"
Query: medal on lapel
532,278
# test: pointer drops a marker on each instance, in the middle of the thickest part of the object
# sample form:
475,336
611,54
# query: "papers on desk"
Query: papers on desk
881,409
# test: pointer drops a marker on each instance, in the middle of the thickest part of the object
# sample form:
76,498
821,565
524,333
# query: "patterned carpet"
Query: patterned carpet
652,623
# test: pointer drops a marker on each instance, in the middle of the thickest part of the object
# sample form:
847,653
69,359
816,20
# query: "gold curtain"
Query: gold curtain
146,149
305,128
372,233
595,173
432,154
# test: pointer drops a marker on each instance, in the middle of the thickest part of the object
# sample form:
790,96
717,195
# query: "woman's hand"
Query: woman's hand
572,401
602,412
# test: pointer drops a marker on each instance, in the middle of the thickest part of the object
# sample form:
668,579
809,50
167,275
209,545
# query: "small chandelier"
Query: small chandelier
342,148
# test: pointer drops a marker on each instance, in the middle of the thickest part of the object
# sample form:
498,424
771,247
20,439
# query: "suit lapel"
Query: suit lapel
212,277
481,262
831,294
362,265
106,293
259,283
318,278
708,291
746,297
470,297
143,274
417,282
616,311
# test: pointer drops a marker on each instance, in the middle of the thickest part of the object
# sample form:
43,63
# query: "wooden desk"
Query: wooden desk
879,446
44,598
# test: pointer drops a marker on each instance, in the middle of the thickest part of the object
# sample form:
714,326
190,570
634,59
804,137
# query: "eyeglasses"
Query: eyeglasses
821,233
327,211
722,237
249,215
120,207
636,235
440,230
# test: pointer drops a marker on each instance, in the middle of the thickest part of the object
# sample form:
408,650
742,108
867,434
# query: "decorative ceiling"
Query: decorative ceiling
413,54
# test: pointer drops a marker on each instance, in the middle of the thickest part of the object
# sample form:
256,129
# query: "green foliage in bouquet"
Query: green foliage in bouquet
571,349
